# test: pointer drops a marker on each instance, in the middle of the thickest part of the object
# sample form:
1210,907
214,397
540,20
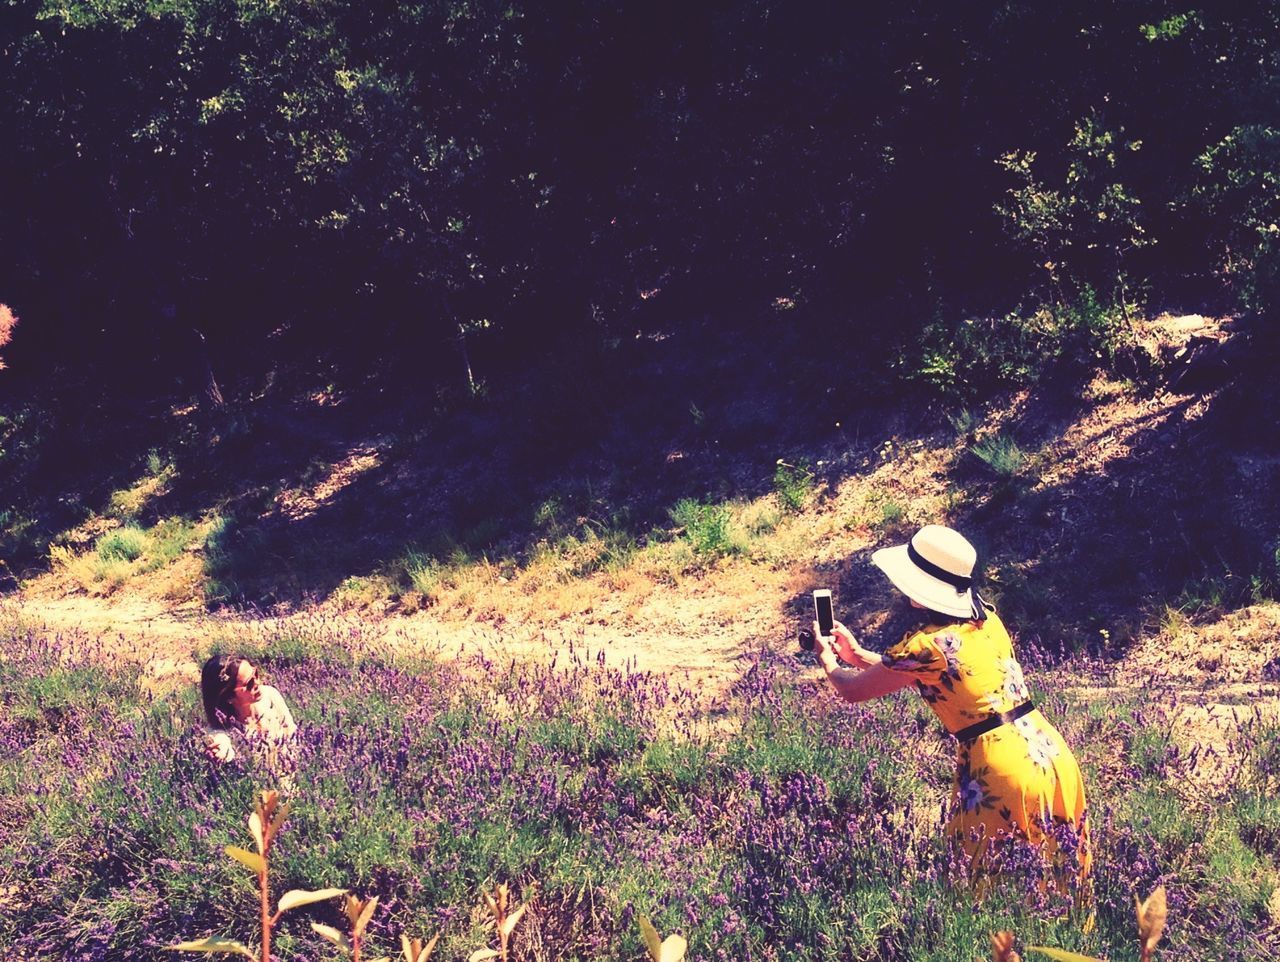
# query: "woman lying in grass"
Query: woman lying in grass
236,700
1015,776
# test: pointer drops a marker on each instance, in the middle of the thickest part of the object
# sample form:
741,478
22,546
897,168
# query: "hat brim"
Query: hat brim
920,586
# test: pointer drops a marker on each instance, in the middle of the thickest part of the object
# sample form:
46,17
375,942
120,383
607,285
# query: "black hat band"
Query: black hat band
959,582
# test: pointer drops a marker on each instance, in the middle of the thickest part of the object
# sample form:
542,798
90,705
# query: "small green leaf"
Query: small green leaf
1062,955
333,935
246,858
297,897
212,945
276,823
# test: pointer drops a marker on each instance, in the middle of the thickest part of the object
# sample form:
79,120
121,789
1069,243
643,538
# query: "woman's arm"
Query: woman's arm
870,679
217,745
854,685
847,647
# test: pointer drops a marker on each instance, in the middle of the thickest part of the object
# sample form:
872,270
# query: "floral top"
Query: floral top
966,671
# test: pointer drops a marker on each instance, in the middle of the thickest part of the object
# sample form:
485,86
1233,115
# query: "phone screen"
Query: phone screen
822,607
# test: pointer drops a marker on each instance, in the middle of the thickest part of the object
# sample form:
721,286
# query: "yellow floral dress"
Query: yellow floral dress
1019,780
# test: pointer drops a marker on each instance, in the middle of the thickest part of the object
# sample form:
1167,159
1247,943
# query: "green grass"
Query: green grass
424,573
708,528
126,553
794,484
124,544
609,550
232,553
891,513
1001,454
167,541
965,422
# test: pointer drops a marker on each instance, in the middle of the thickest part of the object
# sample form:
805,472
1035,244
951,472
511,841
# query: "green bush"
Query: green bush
1001,454
793,483
969,359
1079,227
123,544
1239,192
707,527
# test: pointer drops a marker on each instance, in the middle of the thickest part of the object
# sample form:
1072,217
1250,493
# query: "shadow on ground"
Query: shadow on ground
1177,504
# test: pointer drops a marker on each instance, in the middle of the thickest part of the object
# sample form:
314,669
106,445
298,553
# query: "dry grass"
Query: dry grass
130,503
644,595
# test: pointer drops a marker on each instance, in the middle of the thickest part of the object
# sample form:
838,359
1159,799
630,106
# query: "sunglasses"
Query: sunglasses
254,681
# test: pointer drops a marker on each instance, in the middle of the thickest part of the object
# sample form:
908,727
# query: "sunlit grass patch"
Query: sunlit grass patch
122,554
1001,453
167,541
361,592
587,553
428,576
708,528
759,519
123,544
129,503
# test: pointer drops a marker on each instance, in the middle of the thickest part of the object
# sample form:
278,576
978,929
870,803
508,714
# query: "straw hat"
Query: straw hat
935,568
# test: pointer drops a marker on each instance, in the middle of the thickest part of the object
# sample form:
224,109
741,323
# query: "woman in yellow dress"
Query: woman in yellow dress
1016,779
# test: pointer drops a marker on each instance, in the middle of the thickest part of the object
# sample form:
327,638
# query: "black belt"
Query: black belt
994,721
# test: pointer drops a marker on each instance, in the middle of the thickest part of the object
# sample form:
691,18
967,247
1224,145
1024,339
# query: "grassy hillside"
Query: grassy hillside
1102,508
680,760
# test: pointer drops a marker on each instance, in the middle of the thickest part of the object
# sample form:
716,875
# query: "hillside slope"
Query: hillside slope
1107,517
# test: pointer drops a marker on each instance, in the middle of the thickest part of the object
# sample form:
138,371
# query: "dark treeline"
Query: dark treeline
414,187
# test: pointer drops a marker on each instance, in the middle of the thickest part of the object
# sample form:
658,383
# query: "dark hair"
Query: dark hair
217,683
937,618
931,617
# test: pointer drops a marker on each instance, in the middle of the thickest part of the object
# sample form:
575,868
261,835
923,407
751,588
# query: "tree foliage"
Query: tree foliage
311,180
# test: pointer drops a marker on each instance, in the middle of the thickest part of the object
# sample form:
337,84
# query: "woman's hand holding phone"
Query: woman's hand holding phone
850,652
824,650
832,640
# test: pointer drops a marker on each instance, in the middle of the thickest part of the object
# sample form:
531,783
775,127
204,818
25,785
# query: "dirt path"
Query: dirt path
697,636
1214,680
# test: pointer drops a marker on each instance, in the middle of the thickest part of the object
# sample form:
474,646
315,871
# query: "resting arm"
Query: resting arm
217,745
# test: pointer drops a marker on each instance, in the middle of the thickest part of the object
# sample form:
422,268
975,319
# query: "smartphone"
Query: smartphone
822,609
